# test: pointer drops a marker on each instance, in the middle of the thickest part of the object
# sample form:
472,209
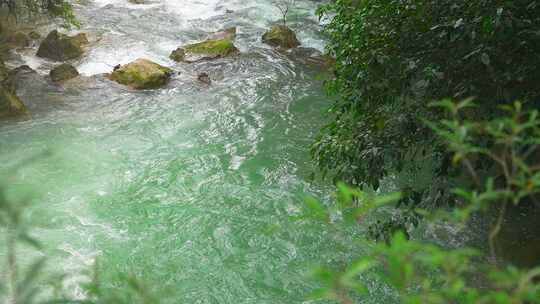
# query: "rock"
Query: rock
310,56
142,74
10,104
34,35
80,39
60,47
4,72
18,40
21,70
136,1
204,78
18,77
229,33
281,36
178,55
229,11
63,72
207,50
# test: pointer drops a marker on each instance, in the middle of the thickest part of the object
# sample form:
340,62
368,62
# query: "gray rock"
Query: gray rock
63,72
60,47
281,36
204,78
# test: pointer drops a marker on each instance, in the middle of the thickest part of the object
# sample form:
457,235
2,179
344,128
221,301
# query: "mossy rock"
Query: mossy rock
10,104
4,71
142,74
281,36
19,40
178,55
60,47
63,72
207,50
34,35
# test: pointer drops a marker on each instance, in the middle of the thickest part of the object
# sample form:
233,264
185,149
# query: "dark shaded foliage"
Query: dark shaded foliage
396,56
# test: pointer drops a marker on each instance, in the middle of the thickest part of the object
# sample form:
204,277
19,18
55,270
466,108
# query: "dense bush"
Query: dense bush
396,56
422,272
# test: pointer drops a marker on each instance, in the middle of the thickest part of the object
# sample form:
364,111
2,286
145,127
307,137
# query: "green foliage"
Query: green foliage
394,57
500,156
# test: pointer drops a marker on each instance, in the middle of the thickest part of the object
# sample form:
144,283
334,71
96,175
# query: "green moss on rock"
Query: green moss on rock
60,47
142,74
207,50
63,72
10,104
34,35
4,72
281,36
178,55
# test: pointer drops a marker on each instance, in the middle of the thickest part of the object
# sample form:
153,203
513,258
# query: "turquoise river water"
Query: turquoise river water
193,188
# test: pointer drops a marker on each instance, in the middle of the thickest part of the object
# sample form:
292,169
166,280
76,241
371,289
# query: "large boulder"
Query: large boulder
141,74
60,47
63,72
281,36
207,50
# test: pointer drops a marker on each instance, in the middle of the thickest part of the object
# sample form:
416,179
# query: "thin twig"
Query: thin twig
496,229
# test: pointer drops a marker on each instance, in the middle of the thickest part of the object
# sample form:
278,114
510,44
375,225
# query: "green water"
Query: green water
196,190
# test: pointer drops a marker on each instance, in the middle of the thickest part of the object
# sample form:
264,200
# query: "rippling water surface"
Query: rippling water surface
190,187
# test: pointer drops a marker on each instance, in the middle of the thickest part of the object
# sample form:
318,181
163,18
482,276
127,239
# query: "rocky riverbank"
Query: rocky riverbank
62,49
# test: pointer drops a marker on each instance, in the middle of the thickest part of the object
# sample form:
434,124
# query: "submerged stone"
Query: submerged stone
142,74
63,72
310,57
80,39
10,104
61,47
281,36
207,50
204,78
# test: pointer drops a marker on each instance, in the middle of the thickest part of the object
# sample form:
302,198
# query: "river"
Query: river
195,189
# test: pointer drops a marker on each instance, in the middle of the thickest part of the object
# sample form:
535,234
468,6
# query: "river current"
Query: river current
195,189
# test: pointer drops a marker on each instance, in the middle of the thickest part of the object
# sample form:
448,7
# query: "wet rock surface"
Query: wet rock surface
61,47
281,36
63,72
142,74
